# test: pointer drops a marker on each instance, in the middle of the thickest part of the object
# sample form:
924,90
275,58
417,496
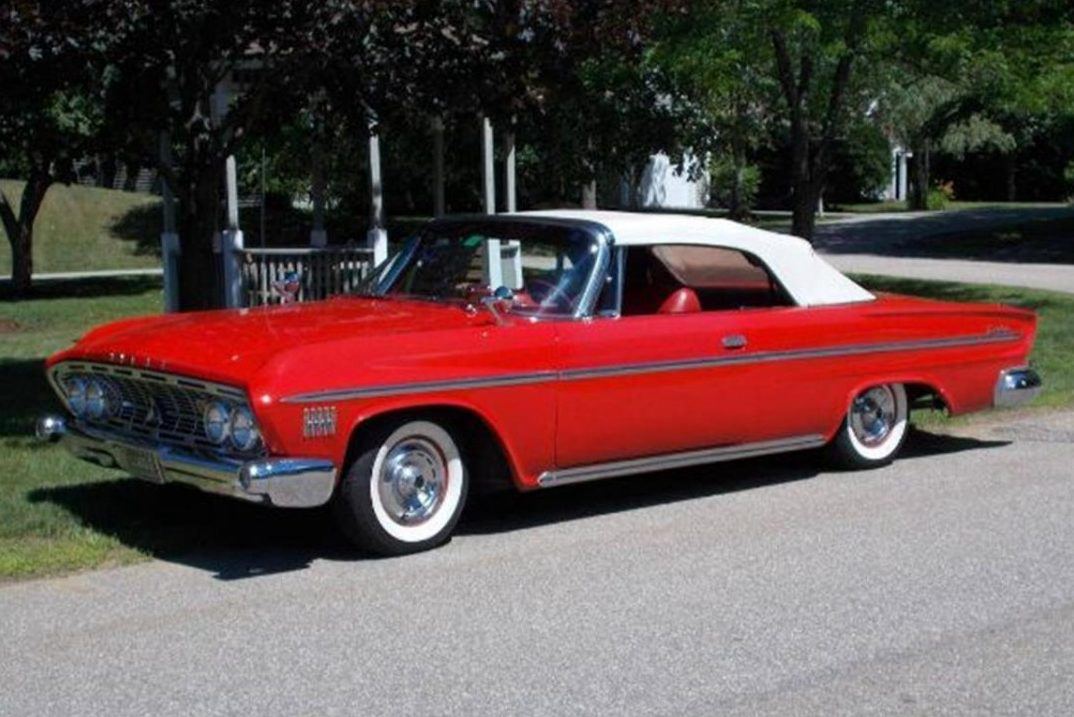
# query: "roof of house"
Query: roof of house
809,279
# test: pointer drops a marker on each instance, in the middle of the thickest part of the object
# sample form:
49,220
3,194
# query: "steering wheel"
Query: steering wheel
549,294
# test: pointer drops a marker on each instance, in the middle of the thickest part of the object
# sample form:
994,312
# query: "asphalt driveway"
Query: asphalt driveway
941,584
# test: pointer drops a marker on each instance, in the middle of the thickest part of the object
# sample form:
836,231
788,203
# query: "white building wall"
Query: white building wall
660,186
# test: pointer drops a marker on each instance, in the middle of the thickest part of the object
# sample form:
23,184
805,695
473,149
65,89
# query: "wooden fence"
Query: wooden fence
280,276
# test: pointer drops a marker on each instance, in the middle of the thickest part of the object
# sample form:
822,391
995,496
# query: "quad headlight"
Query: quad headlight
243,430
216,418
97,404
75,388
224,422
89,397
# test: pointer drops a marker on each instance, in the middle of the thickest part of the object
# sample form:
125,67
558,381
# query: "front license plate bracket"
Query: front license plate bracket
140,463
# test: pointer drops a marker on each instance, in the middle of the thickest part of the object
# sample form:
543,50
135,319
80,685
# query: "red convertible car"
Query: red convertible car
529,350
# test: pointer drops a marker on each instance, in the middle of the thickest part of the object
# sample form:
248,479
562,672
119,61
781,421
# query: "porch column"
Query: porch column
231,239
377,237
493,263
509,172
169,238
512,251
438,167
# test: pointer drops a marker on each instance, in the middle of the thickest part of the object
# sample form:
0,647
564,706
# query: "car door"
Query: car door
660,380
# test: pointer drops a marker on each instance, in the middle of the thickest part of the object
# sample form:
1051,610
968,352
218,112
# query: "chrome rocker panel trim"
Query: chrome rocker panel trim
1016,387
282,482
669,461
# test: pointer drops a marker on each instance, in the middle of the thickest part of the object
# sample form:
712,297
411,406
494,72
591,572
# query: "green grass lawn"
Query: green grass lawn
85,228
59,515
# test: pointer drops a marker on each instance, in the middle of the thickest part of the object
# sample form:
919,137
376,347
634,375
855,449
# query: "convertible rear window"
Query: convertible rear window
683,278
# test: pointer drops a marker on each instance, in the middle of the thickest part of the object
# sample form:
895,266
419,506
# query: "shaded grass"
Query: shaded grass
1040,240
59,515
898,205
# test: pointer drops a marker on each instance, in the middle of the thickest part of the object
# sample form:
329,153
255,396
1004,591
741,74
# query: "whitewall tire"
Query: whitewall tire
405,489
874,427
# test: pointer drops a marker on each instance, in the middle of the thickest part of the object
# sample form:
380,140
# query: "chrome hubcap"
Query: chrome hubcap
412,480
872,415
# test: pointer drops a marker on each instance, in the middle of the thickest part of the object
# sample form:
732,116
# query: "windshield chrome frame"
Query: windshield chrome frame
597,233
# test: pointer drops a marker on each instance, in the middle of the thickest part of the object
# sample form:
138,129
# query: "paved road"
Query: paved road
900,244
941,585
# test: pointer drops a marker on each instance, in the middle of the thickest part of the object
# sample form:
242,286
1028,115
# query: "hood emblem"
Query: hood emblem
123,359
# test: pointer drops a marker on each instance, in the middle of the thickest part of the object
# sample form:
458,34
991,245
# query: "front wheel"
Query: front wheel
874,428
405,489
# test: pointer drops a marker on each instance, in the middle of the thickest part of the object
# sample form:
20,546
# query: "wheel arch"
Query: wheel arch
492,465
920,392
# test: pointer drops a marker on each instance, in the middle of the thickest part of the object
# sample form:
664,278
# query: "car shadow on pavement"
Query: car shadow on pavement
235,540
508,512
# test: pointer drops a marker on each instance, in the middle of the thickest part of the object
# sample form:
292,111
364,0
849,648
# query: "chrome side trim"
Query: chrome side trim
786,355
597,471
401,389
581,374
1015,387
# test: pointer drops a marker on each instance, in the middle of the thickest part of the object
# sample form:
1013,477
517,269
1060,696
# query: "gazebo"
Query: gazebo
256,275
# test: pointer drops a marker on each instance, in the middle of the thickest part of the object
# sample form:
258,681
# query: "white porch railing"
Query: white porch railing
280,276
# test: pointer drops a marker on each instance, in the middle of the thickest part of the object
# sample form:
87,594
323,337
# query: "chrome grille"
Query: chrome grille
153,406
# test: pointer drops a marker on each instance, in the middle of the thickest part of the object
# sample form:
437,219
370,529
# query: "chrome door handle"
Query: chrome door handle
734,341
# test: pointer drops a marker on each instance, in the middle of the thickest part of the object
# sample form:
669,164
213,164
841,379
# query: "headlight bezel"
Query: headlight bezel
216,413
74,389
96,399
249,429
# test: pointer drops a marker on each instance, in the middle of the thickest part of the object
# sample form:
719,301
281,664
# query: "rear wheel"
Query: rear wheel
405,489
874,428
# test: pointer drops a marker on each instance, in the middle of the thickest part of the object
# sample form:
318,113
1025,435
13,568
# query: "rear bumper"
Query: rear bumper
1015,387
283,482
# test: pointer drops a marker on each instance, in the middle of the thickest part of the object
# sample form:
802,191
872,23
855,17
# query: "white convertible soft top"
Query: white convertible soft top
810,280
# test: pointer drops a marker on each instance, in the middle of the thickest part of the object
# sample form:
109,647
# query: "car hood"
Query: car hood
230,346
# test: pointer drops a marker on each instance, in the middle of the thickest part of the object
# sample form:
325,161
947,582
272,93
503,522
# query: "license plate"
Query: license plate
140,463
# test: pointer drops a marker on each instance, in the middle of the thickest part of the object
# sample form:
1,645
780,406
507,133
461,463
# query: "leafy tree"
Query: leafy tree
711,54
961,77
48,117
161,64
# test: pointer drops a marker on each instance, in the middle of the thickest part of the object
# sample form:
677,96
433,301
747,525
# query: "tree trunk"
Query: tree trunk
199,210
918,176
804,210
1011,169
20,229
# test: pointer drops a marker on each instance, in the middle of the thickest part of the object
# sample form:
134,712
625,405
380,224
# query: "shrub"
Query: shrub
940,196
723,176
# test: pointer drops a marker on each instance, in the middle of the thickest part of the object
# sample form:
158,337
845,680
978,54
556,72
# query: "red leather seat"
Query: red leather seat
682,301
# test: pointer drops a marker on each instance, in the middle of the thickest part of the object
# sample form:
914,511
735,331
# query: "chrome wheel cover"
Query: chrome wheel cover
873,415
413,480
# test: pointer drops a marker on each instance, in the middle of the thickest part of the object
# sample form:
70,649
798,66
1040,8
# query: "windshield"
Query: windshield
533,269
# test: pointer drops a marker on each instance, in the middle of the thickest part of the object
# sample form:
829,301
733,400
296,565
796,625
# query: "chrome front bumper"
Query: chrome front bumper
1015,387
282,482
